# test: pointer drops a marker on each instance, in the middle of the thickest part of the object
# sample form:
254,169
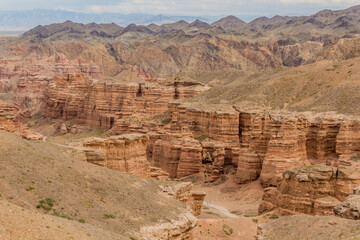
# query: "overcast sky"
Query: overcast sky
185,7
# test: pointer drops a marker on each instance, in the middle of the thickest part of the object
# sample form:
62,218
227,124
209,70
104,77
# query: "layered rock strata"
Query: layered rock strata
183,192
178,154
29,78
10,124
101,104
350,208
311,189
124,153
262,143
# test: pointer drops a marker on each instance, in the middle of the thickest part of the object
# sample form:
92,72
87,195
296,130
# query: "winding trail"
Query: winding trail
222,210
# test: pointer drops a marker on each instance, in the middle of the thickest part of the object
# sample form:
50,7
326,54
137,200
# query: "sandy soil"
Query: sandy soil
229,211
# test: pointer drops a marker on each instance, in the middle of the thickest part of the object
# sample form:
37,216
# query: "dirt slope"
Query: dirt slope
39,176
323,86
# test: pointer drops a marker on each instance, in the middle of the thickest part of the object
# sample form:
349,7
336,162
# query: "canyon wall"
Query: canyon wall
101,104
9,123
260,144
124,153
311,189
29,78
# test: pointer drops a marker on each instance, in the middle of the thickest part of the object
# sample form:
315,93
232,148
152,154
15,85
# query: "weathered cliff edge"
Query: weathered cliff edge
127,153
261,144
10,124
102,103
311,189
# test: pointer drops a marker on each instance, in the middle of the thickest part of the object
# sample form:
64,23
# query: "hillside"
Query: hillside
40,177
322,86
323,26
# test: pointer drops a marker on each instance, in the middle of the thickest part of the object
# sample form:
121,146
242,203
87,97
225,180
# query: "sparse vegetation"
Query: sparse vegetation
46,204
202,137
274,216
30,188
166,121
227,230
212,213
81,220
239,213
355,157
57,214
109,216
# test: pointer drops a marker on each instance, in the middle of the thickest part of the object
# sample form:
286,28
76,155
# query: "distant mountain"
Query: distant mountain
324,26
230,23
24,20
199,24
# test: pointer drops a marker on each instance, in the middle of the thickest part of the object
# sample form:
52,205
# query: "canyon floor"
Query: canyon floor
229,211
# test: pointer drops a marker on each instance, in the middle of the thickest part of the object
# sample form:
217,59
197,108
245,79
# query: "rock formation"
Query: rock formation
183,192
311,189
101,104
7,117
10,124
124,153
262,144
178,154
29,78
350,208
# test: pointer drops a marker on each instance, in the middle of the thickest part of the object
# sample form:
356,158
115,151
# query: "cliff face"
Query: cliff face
178,154
124,153
263,144
311,189
29,78
10,124
7,117
97,104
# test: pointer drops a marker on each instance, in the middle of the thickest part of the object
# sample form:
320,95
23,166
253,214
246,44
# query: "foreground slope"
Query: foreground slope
123,204
18,223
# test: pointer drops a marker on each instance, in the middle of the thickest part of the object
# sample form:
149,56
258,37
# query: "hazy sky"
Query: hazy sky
185,7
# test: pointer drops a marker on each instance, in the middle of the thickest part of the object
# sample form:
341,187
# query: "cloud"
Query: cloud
314,2
184,7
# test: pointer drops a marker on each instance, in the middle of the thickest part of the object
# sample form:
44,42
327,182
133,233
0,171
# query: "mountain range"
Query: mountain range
24,20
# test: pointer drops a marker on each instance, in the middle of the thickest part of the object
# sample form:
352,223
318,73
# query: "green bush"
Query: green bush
46,204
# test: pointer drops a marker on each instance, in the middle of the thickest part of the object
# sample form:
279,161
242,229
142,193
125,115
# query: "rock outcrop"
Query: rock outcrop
102,104
311,189
9,123
350,208
183,192
284,150
124,153
7,117
178,154
29,78
262,143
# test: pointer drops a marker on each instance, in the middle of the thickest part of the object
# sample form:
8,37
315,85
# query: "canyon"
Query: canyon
184,131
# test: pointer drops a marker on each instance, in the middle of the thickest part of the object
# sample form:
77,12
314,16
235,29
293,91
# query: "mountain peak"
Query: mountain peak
230,23
199,24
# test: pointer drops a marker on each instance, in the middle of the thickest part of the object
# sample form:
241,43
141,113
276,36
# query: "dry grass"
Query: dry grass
309,87
78,190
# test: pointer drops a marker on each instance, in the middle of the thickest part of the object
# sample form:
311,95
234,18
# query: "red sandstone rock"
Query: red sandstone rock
285,149
182,192
311,190
125,153
29,78
101,104
177,154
